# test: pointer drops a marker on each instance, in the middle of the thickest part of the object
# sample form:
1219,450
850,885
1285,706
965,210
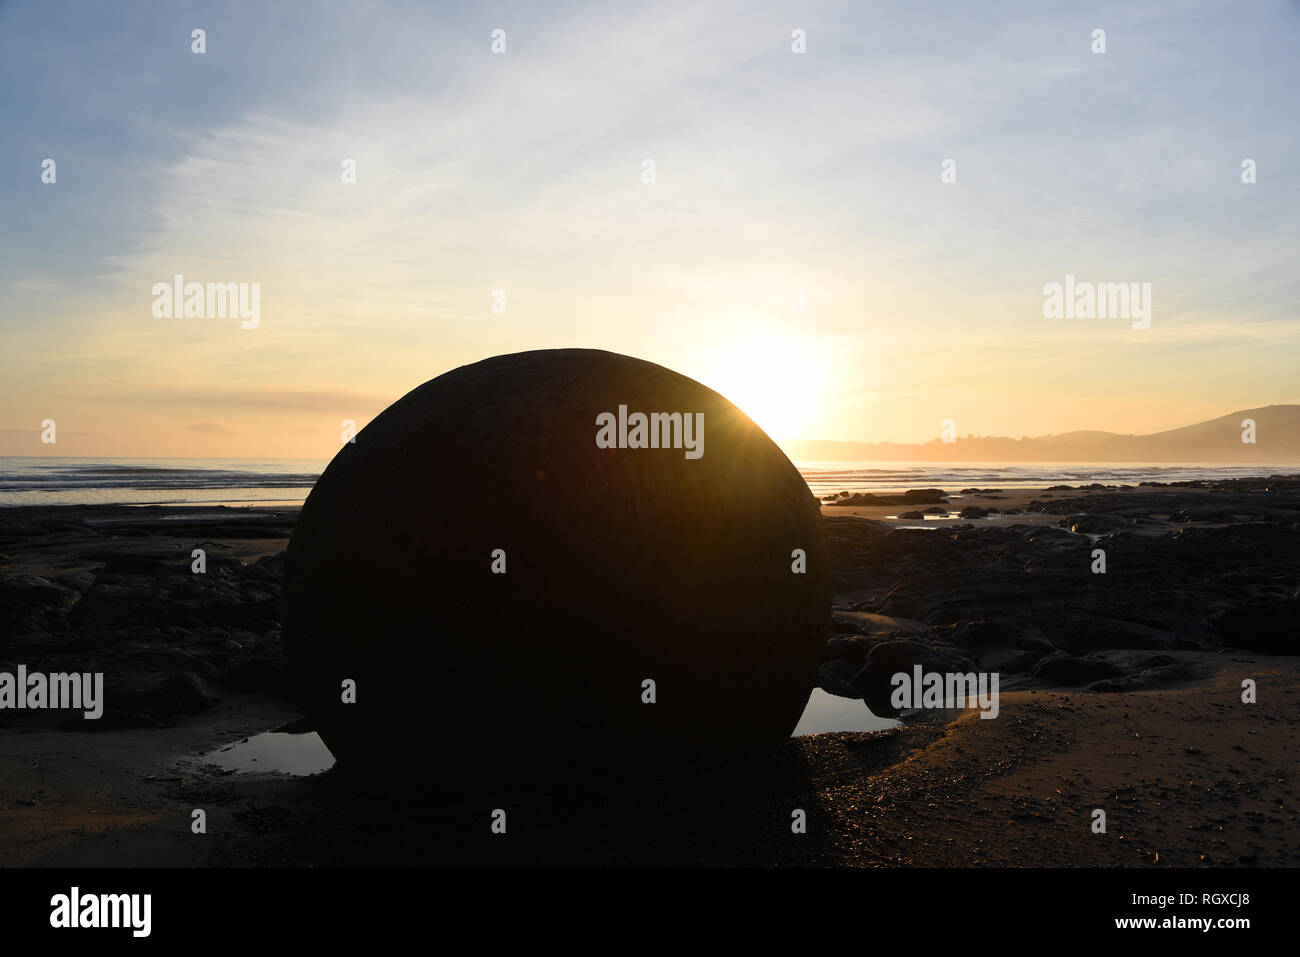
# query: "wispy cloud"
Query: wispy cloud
522,173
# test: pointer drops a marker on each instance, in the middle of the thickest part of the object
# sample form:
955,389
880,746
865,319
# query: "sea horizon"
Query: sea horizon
283,482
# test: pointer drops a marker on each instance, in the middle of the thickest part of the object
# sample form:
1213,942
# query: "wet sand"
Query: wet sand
1186,777
1000,505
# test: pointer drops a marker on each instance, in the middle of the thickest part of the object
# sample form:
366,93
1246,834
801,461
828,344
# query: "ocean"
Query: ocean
828,478
279,482
70,481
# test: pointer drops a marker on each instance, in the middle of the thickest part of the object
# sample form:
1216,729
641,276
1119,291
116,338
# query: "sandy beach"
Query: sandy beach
1182,786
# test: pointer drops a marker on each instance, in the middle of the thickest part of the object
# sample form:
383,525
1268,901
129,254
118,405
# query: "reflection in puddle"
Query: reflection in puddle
828,712
276,751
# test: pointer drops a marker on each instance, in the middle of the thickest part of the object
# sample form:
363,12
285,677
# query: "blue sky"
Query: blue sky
775,172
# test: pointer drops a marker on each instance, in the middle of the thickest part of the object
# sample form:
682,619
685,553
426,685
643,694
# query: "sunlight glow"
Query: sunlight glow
775,378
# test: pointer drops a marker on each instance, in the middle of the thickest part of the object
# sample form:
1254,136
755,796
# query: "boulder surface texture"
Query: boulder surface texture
501,588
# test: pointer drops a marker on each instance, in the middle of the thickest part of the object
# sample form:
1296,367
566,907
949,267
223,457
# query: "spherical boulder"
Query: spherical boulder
553,565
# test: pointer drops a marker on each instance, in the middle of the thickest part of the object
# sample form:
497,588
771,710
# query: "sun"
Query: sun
776,379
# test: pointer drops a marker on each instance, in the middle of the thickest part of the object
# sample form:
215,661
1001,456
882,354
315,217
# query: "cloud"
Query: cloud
522,172
211,428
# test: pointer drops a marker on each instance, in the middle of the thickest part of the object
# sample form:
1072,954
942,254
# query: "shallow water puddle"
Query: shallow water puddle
298,754
303,754
828,712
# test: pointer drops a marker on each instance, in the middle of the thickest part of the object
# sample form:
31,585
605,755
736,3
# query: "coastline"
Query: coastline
1155,727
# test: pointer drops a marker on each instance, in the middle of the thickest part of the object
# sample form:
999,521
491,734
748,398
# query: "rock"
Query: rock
1080,633
113,720
844,626
136,564
1008,661
851,647
623,564
912,514
258,666
867,498
925,496
1055,537
973,511
874,682
835,676
916,496
1094,524
935,510
1147,672
35,590
1203,514
1000,631
1268,626
1067,670
182,693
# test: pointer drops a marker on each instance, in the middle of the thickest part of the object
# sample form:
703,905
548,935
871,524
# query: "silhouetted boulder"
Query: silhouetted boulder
621,565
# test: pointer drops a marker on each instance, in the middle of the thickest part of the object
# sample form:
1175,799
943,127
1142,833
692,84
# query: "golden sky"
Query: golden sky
778,176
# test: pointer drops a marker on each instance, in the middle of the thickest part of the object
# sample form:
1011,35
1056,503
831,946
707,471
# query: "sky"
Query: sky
778,177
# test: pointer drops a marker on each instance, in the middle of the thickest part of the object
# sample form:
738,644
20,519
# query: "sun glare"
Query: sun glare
775,379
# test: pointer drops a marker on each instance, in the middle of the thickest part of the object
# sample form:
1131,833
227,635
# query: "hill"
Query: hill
1277,442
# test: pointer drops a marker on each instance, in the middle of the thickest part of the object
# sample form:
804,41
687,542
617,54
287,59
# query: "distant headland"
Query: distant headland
1264,436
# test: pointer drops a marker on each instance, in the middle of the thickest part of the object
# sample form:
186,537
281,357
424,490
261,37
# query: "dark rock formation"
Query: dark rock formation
915,496
1023,600
623,564
925,496
874,682
1095,524
1068,670
1268,624
165,638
